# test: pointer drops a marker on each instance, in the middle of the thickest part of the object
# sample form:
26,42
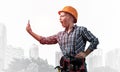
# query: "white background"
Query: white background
101,17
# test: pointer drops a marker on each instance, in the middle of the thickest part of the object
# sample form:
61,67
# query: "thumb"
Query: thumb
28,21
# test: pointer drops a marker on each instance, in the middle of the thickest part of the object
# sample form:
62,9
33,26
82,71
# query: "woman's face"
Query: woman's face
64,19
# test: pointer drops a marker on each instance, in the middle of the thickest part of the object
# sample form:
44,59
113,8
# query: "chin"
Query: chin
63,25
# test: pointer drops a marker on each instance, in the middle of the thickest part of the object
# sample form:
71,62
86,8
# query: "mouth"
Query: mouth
61,22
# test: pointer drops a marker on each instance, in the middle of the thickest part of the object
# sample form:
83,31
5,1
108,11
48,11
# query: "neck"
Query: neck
69,28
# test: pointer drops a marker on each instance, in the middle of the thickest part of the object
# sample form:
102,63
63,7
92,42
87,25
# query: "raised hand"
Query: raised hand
28,27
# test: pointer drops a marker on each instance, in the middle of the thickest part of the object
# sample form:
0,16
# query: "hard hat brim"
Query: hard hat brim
68,13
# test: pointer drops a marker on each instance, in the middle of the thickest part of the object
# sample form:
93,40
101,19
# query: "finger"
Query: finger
77,56
28,21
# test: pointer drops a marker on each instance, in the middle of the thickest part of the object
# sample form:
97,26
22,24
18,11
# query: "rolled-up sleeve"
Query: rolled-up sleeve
48,40
91,38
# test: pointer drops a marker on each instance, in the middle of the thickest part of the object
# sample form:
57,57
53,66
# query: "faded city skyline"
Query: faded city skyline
100,17
13,59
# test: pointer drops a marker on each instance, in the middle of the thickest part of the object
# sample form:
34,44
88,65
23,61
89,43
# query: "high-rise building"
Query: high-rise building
3,42
34,51
112,59
57,58
95,59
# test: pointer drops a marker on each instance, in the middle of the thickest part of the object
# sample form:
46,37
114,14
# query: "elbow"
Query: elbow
42,40
94,43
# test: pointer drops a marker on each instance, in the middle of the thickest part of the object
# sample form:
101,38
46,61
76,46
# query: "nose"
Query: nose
60,18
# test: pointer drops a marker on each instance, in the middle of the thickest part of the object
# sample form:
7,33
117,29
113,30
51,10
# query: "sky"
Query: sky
101,17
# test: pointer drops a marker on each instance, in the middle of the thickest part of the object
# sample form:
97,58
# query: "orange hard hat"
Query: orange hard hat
71,10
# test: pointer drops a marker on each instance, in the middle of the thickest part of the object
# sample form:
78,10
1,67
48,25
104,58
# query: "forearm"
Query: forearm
84,54
88,51
42,40
34,35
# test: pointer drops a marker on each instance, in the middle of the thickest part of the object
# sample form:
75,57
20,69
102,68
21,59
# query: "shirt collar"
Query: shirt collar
74,26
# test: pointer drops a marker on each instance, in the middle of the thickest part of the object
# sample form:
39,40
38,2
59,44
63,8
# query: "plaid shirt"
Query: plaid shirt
73,42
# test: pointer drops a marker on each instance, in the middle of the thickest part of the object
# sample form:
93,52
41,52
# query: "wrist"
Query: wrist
30,32
88,51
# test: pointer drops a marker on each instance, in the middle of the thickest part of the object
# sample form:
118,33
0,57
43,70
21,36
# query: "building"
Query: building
34,51
3,42
95,59
112,59
58,56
